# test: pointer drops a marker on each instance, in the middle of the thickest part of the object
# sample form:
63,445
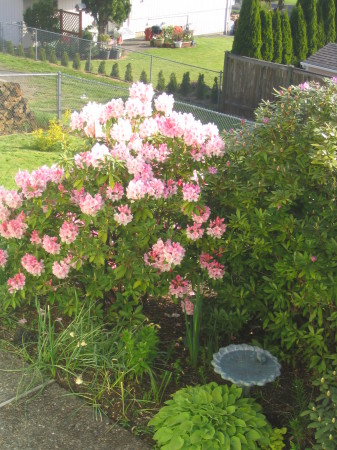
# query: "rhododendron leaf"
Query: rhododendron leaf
48,213
101,179
103,236
136,284
78,184
111,181
119,272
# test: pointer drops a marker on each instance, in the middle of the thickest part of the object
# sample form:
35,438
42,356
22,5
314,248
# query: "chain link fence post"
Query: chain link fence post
2,37
59,94
35,44
90,56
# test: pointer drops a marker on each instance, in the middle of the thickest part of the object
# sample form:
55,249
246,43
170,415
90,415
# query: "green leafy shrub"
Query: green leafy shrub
201,86
185,87
20,50
278,193
88,66
161,81
10,47
101,68
42,54
31,53
65,59
215,91
172,86
51,140
53,57
143,77
77,61
211,417
115,71
323,412
128,73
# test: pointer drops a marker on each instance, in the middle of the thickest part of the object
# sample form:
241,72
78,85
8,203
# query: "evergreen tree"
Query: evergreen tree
267,47
10,47
201,86
215,91
88,66
320,25
277,37
20,50
77,61
128,73
310,15
115,71
185,87
299,34
143,77
287,40
31,53
161,82
173,84
65,59
247,38
52,57
42,54
101,68
329,12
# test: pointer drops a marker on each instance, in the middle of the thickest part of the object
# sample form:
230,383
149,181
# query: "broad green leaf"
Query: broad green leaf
163,435
235,443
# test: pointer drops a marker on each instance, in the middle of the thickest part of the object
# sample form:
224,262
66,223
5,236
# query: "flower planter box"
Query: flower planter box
186,44
115,53
178,44
158,42
104,54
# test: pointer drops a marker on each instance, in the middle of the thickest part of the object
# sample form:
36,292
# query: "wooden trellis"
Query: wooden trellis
70,22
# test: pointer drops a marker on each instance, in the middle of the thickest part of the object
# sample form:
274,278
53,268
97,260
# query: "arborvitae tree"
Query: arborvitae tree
215,91
247,38
65,59
185,87
52,57
31,53
88,66
310,16
267,47
143,77
320,25
20,50
173,84
115,71
42,54
101,68
128,73
299,34
161,82
277,37
77,61
10,47
329,12
287,40
201,86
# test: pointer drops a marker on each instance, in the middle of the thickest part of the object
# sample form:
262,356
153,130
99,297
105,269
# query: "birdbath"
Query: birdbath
246,366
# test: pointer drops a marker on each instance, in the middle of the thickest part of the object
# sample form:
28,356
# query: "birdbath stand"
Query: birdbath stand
246,366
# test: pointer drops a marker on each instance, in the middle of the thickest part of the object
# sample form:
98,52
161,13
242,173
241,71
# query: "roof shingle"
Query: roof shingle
325,58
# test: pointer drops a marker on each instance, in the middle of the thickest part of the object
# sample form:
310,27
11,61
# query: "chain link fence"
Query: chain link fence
119,61
29,101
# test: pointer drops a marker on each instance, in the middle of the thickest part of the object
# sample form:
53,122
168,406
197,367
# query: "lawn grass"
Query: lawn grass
17,152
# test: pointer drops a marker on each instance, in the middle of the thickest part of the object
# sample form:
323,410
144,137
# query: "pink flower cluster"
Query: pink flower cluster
214,268
32,265
164,103
116,193
61,269
10,198
97,155
14,228
3,257
16,283
194,231
68,232
124,216
50,245
32,185
187,306
90,205
203,216
35,238
191,192
179,287
216,228
164,256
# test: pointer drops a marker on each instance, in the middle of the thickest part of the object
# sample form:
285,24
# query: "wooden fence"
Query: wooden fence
247,81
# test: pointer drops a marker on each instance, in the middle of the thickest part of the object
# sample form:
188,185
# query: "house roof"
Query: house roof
324,58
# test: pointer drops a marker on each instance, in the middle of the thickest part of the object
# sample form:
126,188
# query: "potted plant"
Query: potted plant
148,34
103,45
177,36
187,38
158,40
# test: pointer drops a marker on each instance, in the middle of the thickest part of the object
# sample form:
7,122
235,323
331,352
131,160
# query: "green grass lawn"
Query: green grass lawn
17,152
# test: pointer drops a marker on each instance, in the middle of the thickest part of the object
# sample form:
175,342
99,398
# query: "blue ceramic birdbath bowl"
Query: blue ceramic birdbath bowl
246,365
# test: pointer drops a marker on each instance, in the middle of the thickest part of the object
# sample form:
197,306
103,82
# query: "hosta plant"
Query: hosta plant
211,417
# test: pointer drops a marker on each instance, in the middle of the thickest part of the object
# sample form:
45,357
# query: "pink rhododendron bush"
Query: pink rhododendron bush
123,218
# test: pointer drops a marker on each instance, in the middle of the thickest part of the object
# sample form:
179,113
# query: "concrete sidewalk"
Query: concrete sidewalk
40,415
